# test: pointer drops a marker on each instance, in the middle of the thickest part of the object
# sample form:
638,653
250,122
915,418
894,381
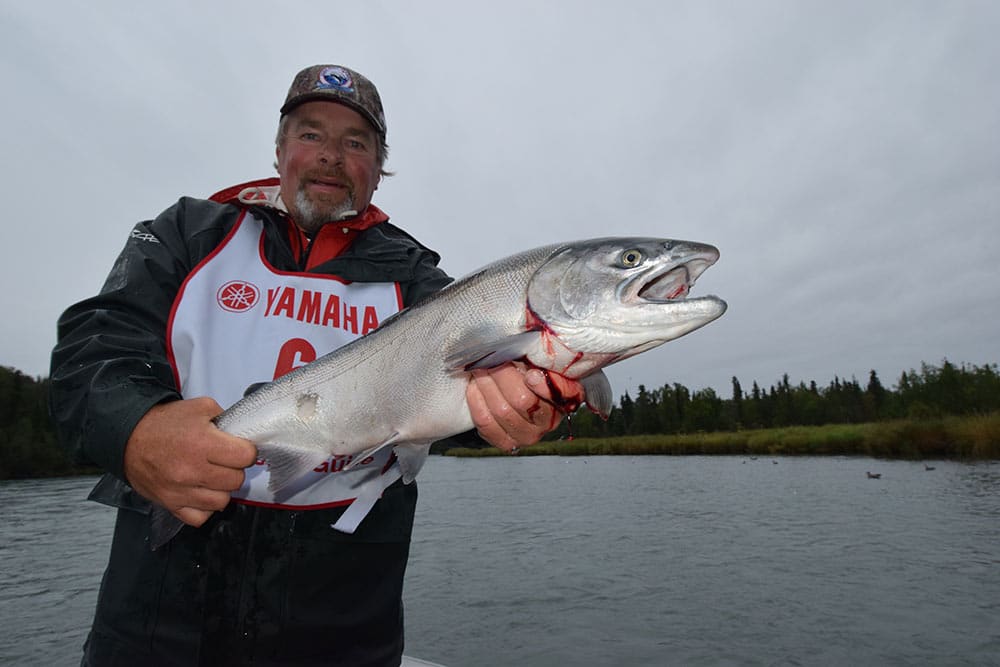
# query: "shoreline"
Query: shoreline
975,437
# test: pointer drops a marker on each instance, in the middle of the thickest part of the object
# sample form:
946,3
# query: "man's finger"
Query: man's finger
191,516
218,478
483,418
497,395
231,452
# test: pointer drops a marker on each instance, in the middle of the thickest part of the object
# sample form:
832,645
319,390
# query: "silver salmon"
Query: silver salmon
569,308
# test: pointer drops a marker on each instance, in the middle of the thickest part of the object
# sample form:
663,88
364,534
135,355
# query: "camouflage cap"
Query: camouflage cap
337,84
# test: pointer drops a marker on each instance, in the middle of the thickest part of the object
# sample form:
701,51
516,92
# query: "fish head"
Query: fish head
617,297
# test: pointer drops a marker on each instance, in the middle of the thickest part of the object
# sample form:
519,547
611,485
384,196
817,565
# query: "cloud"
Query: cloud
845,158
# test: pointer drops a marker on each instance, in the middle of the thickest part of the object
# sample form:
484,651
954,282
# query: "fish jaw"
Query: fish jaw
610,299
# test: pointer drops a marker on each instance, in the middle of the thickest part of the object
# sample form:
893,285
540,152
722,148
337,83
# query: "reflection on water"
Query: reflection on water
981,481
53,546
621,561
690,560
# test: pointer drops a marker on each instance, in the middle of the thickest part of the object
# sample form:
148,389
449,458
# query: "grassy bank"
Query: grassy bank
975,437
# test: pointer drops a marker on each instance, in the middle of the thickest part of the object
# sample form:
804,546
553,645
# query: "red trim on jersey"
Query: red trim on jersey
180,293
319,506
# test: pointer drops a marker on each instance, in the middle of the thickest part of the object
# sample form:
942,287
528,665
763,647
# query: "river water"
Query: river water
549,561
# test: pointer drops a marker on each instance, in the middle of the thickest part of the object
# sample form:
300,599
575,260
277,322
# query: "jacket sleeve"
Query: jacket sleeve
428,278
110,365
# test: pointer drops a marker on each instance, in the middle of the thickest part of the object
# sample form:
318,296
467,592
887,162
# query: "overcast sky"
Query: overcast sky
843,156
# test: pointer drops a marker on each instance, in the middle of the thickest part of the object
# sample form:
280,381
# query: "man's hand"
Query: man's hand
179,459
512,406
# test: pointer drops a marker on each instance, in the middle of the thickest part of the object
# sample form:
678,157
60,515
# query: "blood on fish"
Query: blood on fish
534,323
563,404
567,403
578,357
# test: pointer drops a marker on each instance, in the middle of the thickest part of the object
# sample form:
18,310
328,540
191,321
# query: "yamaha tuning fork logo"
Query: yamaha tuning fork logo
237,296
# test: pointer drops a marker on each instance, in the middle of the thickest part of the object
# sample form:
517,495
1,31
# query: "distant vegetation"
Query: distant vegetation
969,437
938,411
942,411
931,392
28,445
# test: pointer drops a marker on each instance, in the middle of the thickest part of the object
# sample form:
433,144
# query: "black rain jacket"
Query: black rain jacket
252,585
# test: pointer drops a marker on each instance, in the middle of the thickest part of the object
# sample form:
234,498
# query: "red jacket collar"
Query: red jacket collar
264,192
332,239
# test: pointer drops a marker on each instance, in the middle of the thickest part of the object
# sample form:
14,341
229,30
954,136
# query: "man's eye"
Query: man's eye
309,136
356,145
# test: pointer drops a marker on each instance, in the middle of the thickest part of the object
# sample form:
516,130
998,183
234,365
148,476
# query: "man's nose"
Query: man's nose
331,151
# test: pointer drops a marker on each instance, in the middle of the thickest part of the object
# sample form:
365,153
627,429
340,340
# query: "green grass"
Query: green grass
973,437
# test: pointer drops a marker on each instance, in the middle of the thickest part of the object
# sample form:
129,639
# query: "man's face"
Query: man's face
327,161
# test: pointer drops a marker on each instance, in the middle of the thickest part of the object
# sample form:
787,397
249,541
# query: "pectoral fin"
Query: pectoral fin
494,353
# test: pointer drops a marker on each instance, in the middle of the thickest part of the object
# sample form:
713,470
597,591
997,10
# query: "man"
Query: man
204,301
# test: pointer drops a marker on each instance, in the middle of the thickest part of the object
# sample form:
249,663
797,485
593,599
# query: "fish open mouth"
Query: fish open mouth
675,284
670,286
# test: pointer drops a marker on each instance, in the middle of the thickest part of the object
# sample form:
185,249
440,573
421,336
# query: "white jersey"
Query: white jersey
237,321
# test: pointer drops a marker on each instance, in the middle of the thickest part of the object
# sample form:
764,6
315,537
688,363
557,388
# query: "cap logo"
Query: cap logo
335,78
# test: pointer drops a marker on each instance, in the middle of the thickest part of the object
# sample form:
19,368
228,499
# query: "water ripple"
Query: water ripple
623,561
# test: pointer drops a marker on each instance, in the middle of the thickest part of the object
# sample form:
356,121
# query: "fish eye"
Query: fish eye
631,258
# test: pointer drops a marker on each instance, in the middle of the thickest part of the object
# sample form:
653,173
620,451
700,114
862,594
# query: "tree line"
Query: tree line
28,446
932,391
